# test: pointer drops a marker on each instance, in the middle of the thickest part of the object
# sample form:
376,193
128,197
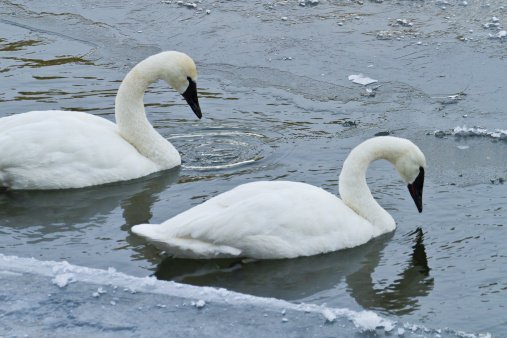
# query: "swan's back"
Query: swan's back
60,149
262,220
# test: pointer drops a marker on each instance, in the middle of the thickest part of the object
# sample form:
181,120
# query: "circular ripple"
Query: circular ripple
218,150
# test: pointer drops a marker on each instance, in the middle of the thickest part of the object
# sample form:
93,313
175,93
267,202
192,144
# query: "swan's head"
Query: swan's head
410,164
181,74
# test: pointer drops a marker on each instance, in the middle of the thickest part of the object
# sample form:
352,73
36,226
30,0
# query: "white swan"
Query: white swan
269,220
57,149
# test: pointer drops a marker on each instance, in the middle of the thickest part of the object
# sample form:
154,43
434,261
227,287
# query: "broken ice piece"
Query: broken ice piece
200,304
491,25
404,22
370,92
361,79
329,315
499,35
63,279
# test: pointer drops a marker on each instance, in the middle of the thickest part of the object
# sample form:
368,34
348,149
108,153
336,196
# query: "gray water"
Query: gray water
278,104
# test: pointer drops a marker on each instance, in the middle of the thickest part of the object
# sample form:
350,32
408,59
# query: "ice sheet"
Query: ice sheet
45,298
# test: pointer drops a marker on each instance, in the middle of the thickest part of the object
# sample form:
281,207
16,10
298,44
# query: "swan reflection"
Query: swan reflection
39,213
401,296
308,278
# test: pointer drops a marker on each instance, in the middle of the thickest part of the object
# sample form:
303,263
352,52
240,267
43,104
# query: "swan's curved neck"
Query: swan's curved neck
352,183
131,117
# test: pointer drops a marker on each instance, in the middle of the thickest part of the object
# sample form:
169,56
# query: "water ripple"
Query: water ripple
219,150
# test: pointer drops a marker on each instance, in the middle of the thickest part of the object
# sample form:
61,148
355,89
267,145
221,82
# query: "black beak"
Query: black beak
190,96
416,189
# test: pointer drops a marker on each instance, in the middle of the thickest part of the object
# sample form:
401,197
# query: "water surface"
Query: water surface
277,104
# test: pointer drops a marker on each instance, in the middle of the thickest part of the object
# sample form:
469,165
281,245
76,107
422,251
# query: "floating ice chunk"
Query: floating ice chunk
369,321
450,99
401,331
199,304
284,18
99,292
499,35
63,279
208,11
463,147
284,320
386,35
404,22
473,131
361,79
370,92
303,3
491,25
329,315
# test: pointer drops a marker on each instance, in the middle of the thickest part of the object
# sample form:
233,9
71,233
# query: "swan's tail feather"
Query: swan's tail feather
184,247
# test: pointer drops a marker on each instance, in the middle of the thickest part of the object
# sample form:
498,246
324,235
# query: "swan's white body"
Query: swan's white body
268,220
67,149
